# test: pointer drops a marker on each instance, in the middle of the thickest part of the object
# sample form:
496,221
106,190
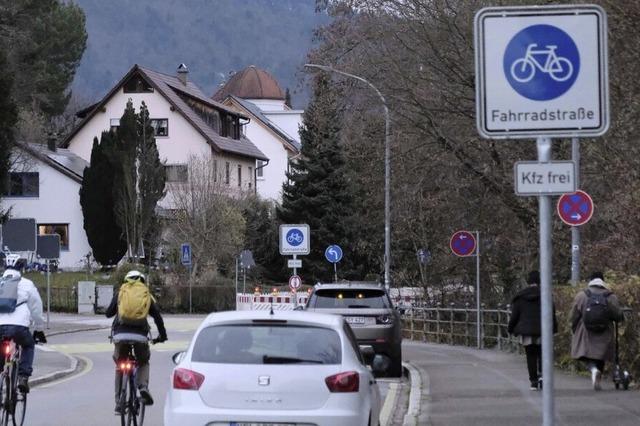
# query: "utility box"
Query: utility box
86,297
104,293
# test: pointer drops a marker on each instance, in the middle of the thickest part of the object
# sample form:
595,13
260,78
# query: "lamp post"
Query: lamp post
387,166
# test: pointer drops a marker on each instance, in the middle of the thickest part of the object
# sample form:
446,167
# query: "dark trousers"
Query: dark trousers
22,336
534,361
142,353
597,363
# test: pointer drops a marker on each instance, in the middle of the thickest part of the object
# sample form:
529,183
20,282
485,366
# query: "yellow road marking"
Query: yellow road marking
88,366
80,348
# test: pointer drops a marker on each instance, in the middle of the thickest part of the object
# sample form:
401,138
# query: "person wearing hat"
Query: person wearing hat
525,323
592,315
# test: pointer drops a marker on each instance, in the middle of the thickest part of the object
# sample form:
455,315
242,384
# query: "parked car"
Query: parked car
370,313
283,367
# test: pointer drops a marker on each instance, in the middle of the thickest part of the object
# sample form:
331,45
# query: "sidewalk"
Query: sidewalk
464,386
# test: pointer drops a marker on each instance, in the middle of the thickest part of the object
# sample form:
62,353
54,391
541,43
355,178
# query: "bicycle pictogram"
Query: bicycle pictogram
545,60
294,237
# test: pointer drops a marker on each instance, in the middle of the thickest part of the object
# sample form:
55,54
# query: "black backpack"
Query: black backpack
597,316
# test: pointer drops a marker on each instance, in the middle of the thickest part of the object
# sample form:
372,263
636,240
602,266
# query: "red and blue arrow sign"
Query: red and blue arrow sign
463,243
575,209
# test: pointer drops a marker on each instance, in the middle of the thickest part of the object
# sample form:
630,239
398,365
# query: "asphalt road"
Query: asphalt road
87,397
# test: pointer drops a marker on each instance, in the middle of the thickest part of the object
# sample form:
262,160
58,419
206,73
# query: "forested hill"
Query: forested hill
213,37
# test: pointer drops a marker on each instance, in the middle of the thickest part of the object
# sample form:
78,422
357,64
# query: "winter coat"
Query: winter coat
525,313
587,344
142,329
29,309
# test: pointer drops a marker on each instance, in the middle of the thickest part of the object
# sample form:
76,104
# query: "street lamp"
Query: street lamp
387,167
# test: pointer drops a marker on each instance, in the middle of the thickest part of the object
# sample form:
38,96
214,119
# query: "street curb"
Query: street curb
73,362
415,396
78,330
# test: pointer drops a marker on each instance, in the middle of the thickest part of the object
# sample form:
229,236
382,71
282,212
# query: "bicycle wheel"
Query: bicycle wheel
132,403
122,399
19,408
561,70
5,401
522,70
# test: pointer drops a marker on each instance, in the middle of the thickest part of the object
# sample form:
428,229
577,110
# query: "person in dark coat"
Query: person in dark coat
525,323
594,348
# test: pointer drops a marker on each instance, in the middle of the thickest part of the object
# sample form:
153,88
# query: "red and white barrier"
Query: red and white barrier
284,301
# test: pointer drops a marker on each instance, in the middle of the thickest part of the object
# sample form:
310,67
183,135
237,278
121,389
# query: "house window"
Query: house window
260,169
23,184
250,177
114,123
239,176
61,229
160,126
235,128
137,84
215,170
177,173
227,172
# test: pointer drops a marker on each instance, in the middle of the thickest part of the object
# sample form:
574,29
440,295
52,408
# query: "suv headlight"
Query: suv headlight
384,319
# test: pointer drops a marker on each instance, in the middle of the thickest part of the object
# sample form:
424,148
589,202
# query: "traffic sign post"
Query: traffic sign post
542,72
465,244
575,209
295,239
48,248
185,258
295,282
333,254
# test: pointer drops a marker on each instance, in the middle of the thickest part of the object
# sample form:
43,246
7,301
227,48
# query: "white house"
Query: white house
44,184
273,126
186,123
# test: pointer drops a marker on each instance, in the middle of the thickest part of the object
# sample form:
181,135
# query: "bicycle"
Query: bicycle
132,409
294,238
524,69
13,403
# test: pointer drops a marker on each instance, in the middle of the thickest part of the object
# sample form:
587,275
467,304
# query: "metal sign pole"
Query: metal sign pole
546,295
478,312
190,288
335,272
48,290
295,294
236,283
575,230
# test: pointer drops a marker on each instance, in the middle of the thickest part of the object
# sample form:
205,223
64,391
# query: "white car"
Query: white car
256,368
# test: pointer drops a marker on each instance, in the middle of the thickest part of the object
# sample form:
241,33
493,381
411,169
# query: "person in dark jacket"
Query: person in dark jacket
124,333
525,323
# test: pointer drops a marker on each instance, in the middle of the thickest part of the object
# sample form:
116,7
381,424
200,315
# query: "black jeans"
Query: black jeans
22,336
534,361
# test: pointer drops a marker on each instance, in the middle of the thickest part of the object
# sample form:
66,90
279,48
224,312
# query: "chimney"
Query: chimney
183,71
51,142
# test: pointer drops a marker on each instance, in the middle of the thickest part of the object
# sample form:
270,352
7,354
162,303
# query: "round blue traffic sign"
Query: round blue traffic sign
333,253
295,237
541,62
463,243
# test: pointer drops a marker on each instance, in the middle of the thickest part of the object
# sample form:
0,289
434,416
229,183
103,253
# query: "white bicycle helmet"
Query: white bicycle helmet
11,265
134,275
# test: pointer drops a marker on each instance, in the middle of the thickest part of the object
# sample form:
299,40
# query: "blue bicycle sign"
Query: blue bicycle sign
541,62
295,237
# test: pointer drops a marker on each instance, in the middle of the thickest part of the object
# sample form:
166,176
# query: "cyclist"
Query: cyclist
15,325
131,330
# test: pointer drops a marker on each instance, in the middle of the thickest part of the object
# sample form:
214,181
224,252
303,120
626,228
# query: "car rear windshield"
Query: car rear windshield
267,344
351,298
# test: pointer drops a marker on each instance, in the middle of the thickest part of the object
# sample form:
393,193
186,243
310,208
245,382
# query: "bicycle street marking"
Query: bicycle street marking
96,347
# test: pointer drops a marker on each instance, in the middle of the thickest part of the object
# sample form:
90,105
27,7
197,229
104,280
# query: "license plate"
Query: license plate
355,320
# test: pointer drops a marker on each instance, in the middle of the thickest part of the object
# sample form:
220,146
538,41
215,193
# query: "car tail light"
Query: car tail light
343,382
187,379
384,319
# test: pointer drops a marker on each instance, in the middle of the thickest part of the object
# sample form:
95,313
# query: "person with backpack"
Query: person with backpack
130,306
592,315
20,307
525,323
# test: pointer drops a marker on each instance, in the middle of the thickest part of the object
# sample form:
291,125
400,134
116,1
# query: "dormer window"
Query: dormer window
230,126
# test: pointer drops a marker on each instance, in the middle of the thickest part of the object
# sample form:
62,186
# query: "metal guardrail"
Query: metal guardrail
457,326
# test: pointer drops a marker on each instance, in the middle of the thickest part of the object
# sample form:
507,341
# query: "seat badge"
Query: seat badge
264,380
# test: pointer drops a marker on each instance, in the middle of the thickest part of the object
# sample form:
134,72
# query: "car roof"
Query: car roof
348,285
296,317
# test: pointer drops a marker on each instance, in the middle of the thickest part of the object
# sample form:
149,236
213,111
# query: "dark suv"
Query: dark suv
368,309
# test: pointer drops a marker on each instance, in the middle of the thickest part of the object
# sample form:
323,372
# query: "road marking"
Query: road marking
87,367
84,348
44,348
389,404
415,396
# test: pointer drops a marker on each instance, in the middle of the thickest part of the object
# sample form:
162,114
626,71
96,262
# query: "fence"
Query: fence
458,326
63,299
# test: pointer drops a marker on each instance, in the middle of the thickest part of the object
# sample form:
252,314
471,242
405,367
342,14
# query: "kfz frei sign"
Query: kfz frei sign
554,178
541,71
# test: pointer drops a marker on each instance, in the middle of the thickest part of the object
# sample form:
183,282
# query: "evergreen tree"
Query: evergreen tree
104,234
140,177
318,192
261,237
8,118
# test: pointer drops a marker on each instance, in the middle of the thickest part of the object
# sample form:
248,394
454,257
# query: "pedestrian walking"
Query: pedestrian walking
525,323
592,315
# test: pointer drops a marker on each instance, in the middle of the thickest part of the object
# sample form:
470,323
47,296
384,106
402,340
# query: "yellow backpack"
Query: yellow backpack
134,301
